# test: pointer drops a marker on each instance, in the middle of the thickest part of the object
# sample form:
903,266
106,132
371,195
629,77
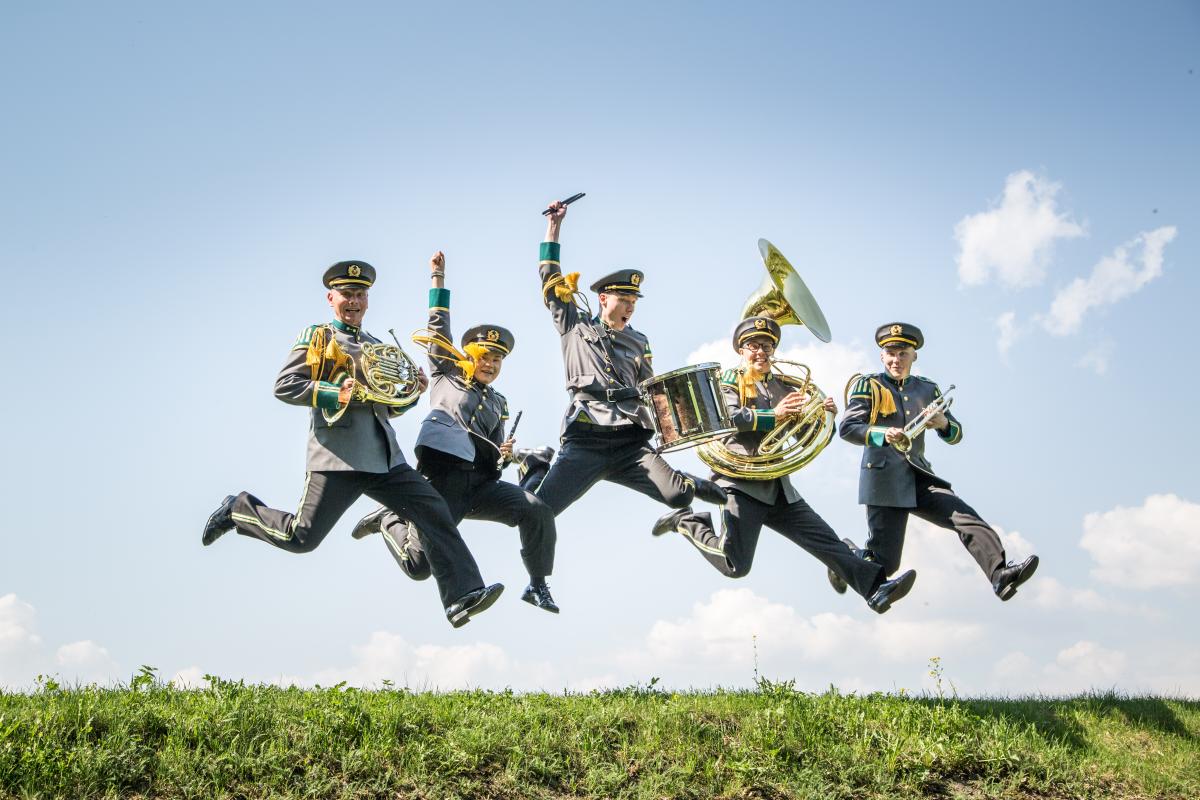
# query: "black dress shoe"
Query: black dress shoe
669,522
835,580
538,594
708,491
220,522
472,603
371,523
1010,577
891,591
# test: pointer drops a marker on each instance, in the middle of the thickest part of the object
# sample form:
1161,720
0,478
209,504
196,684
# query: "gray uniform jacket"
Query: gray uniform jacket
462,414
887,477
596,359
362,439
754,419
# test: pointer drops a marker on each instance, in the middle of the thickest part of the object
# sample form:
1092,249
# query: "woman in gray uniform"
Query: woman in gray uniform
461,449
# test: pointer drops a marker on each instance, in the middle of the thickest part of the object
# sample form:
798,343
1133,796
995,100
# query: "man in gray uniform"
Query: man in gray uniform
758,401
353,455
461,448
894,484
606,429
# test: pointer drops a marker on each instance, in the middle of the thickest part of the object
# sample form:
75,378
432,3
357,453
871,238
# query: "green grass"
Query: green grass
149,740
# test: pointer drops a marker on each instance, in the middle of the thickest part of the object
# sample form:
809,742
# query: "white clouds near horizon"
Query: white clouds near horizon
1014,241
1152,546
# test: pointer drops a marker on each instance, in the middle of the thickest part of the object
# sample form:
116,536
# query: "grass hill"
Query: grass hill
232,740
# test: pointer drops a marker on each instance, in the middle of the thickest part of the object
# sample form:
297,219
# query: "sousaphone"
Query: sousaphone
798,439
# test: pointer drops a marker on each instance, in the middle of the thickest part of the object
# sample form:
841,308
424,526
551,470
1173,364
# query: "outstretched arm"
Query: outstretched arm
557,289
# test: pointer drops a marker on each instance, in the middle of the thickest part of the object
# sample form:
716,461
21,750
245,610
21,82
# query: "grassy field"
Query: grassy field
149,740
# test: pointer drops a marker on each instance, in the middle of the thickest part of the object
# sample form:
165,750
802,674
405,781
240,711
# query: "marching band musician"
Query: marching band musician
893,484
606,429
353,455
757,401
461,447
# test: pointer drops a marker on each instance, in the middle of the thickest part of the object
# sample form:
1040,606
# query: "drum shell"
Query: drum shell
686,406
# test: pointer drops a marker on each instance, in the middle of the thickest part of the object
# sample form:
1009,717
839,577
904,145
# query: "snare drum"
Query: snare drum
686,406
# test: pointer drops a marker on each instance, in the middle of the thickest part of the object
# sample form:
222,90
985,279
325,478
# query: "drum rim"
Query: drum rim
698,438
704,367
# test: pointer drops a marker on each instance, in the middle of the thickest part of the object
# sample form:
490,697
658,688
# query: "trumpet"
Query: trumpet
918,425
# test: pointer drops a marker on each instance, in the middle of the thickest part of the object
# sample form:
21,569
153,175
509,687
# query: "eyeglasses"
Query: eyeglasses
759,347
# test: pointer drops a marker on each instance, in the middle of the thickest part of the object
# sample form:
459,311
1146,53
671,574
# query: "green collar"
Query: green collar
344,328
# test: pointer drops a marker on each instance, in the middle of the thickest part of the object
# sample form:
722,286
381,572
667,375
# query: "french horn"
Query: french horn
798,439
388,376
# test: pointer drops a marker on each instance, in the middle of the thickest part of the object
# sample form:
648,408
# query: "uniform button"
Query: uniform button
479,407
906,399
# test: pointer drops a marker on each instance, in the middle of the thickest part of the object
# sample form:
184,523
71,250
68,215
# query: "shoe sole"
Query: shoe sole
902,589
1025,575
485,602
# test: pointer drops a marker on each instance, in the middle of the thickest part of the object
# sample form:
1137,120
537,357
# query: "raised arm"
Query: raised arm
557,289
441,361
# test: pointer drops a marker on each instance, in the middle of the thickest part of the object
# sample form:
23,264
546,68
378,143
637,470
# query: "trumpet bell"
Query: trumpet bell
783,297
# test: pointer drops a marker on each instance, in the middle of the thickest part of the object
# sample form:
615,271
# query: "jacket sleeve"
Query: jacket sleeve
298,382
953,432
745,418
856,427
441,360
564,312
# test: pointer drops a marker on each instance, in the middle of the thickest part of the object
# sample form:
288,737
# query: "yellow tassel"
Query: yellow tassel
564,286
882,402
316,352
746,388
473,352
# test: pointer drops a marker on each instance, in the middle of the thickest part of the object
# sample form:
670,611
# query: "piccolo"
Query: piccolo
566,202
511,433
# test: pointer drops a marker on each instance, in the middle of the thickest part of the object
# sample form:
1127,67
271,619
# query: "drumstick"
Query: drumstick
566,202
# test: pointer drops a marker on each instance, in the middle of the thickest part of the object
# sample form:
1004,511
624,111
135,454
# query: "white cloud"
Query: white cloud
1010,332
1152,546
20,644
1015,239
389,657
1097,358
1115,277
1086,665
1014,665
728,627
86,662
1049,593
189,678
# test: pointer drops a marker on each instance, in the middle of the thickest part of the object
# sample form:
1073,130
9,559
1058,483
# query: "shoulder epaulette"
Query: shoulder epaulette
729,377
306,336
862,387
926,380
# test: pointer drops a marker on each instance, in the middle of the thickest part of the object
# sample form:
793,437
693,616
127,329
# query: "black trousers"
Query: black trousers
470,494
327,496
592,453
743,518
938,504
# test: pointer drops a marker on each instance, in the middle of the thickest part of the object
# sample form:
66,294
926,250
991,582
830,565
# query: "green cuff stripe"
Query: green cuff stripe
877,437
326,396
764,420
549,251
439,298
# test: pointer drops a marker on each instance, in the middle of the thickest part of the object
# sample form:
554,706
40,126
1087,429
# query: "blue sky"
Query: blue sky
1016,180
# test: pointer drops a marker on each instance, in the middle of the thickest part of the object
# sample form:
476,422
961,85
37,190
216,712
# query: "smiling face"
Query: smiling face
616,309
487,366
349,304
898,360
757,352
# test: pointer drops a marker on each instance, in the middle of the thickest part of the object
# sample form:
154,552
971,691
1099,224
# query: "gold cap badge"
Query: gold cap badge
354,270
635,279
896,330
760,323
493,336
